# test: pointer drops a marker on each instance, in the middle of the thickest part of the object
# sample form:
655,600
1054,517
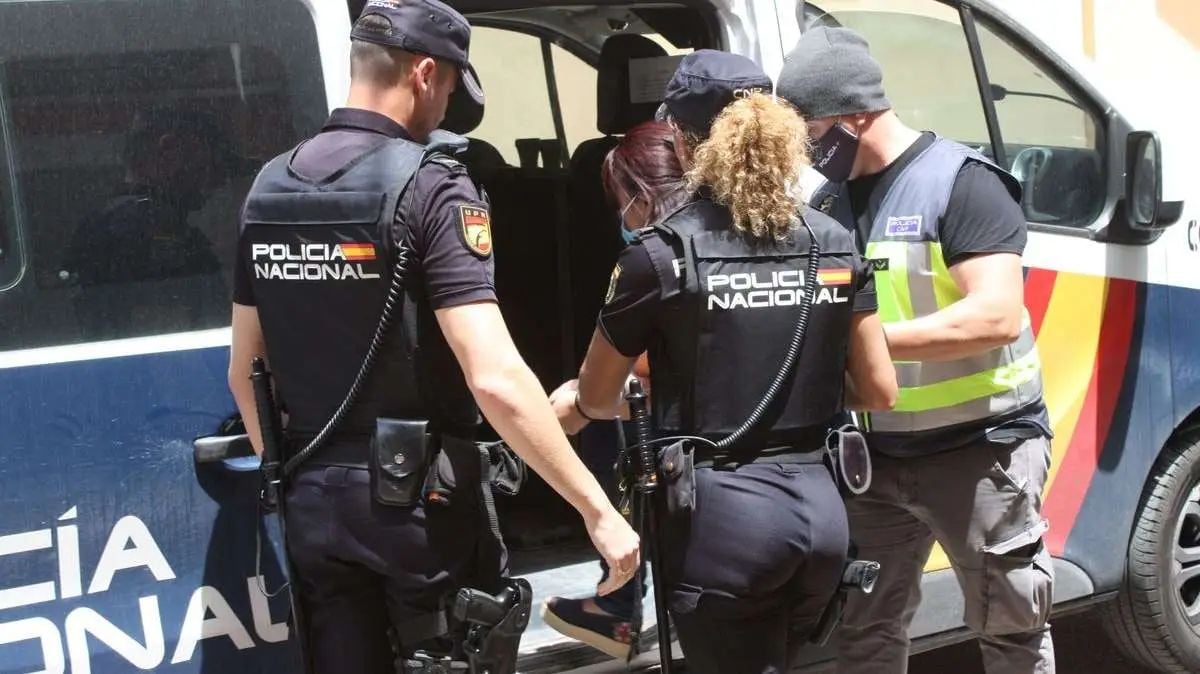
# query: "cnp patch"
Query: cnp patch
612,284
476,229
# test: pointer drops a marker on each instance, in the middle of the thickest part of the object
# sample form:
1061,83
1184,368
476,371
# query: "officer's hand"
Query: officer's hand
617,543
563,402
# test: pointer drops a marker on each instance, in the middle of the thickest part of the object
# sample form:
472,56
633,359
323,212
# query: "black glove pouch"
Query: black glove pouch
458,466
401,452
676,465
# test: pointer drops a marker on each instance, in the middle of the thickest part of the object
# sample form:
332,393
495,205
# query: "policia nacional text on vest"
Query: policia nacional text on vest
337,235
912,280
727,293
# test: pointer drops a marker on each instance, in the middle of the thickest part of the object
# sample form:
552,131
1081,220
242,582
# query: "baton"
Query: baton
646,467
270,498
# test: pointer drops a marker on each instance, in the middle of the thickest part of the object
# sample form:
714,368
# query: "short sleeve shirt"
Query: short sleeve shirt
452,270
981,217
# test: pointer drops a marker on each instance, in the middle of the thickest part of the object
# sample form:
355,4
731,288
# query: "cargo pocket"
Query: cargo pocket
1018,581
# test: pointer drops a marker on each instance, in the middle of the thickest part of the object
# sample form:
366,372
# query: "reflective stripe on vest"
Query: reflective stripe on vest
915,282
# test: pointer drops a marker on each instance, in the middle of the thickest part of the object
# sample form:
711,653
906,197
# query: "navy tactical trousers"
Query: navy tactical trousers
753,566
364,568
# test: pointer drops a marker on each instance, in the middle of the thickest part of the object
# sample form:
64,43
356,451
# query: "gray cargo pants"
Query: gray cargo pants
983,504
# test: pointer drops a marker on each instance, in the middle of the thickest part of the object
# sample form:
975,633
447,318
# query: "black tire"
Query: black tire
1149,618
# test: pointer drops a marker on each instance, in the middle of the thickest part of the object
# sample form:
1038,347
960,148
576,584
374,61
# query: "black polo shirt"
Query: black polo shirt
450,271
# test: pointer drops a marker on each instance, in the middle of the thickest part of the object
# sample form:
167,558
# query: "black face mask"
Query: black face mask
834,153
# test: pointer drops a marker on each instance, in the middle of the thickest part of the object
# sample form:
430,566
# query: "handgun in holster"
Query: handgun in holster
858,574
493,625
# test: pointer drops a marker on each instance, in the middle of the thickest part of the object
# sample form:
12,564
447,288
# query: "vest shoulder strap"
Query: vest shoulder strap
406,159
662,257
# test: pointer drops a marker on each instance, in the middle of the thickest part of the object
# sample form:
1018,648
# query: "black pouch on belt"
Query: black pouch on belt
458,467
401,452
677,468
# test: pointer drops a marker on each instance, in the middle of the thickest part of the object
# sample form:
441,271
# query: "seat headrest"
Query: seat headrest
615,112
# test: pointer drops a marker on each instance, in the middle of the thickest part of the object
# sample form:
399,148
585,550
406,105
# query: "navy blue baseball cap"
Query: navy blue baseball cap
433,28
704,83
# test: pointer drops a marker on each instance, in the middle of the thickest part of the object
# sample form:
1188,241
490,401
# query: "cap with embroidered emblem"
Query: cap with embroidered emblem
433,28
704,83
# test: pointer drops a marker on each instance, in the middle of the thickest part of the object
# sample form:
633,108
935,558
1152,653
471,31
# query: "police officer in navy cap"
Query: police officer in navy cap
754,539
378,540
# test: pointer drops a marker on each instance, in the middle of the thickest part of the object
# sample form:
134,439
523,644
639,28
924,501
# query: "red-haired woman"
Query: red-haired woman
644,183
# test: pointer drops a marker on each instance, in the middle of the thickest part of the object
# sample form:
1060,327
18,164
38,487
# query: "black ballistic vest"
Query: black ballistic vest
320,254
733,303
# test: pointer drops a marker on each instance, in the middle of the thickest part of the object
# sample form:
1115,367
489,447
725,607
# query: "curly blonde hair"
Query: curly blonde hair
751,162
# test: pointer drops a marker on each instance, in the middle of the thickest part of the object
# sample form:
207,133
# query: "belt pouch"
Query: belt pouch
401,452
677,467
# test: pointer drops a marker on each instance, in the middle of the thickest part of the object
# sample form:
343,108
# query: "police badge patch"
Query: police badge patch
908,225
612,284
476,229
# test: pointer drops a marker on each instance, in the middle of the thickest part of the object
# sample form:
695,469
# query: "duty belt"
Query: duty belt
351,450
705,458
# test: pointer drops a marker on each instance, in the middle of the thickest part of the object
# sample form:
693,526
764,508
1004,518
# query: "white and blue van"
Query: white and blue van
128,520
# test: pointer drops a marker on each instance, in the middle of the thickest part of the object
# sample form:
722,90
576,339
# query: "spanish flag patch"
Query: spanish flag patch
358,252
476,229
835,277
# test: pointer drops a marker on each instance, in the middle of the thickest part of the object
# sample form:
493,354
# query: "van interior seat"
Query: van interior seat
594,239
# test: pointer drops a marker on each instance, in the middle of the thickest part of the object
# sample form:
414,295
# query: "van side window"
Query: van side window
912,43
10,251
512,71
1051,136
575,80
131,156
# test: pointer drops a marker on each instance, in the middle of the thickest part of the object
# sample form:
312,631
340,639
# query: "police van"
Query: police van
129,133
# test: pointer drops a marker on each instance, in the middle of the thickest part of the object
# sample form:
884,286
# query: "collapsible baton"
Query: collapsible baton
271,498
646,516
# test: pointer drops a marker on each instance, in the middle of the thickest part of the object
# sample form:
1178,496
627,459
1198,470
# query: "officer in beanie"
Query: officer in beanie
962,458
376,546
755,539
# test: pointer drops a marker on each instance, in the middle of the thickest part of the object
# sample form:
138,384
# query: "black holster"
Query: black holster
857,575
492,649
492,624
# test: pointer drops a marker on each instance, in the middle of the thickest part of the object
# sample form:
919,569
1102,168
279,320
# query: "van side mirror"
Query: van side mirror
1143,180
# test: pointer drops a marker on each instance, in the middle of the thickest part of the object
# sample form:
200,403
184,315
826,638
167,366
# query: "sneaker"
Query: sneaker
606,633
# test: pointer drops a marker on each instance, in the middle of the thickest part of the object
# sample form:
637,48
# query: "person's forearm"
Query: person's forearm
513,401
243,395
853,401
966,328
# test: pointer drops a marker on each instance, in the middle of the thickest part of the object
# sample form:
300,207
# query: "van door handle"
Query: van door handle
216,448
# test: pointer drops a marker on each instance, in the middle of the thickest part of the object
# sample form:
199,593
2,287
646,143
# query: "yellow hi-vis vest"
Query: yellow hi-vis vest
912,280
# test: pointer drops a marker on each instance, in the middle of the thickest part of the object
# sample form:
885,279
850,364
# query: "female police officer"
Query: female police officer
643,182
714,292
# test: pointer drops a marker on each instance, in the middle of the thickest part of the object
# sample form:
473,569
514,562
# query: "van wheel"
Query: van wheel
1155,618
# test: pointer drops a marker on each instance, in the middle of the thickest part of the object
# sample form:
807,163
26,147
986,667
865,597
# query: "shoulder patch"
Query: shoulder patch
476,229
612,284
